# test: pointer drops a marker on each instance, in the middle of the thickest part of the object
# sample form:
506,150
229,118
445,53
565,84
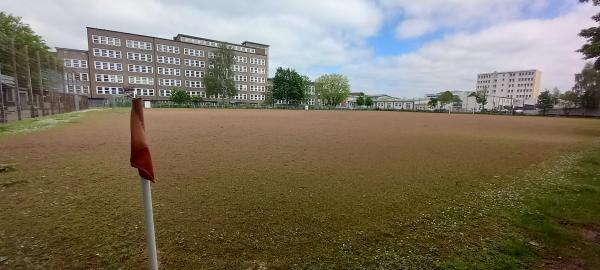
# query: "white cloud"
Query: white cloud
453,62
314,35
302,34
413,28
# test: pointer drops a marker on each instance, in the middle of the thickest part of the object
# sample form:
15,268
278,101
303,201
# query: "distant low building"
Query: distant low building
386,102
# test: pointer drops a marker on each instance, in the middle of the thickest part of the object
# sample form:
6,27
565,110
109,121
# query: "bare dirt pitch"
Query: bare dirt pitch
246,189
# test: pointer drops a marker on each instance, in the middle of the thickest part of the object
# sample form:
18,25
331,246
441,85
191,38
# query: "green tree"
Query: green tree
332,88
569,100
179,95
12,27
591,49
445,98
360,100
289,86
587,84
218,79
480,98
368,101
546,101
433,102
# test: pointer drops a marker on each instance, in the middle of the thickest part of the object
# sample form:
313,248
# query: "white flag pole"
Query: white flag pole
149,217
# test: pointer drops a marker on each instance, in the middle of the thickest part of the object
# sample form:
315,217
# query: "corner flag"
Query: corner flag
141,159
140,153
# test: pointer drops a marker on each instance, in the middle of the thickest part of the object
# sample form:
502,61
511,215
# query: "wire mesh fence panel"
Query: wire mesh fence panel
32,83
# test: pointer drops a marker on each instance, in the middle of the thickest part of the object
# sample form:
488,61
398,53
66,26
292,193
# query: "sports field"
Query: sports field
276,189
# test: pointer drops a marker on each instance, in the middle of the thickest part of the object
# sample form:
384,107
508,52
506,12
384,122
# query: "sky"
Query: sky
403,48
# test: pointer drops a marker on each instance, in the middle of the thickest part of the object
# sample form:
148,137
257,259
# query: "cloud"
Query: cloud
302,34
312,36
413,28
452,63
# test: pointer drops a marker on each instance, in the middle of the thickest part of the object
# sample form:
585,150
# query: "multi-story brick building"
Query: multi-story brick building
511,88
76,78
153,66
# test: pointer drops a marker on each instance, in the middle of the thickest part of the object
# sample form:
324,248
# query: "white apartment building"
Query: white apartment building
511,88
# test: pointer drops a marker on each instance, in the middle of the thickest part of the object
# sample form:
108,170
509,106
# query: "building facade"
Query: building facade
385,102
76,77
154,66
510,89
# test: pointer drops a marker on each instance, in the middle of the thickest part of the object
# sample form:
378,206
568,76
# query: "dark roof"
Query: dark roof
189,36
69,49
128,33
255,43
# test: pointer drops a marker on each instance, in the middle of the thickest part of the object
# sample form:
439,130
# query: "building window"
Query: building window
165,93
108,66
169,60
240,78
194,73
107,90
211,55
257,88
167,48
169,71
107,53
106,40
139,56
241,59
76,63
169,82
257,79
111,78
194,63
144,92
140,68
193,84
242,87
141,80
257,61
135,44
193,52
240,68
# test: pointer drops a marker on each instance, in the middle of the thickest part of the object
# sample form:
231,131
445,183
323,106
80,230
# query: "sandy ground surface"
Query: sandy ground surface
246,188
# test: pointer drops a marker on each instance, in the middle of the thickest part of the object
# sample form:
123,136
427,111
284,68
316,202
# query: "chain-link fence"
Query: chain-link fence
31,83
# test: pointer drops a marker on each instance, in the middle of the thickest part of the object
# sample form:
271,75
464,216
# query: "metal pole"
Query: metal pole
39,67
16,75
50,92
32,112
2,113
61,84
149,218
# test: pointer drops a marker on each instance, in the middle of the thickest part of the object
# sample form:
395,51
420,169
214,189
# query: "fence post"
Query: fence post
2,112
41,103
32,112
16,76
49,89
61,85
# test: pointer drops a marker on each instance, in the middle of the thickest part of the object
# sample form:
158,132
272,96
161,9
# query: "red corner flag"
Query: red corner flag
140,153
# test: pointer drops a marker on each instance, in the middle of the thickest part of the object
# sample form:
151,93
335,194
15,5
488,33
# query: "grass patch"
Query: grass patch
550,224
40,123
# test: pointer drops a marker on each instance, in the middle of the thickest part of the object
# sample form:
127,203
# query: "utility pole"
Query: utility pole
14,62
32,112
39,67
